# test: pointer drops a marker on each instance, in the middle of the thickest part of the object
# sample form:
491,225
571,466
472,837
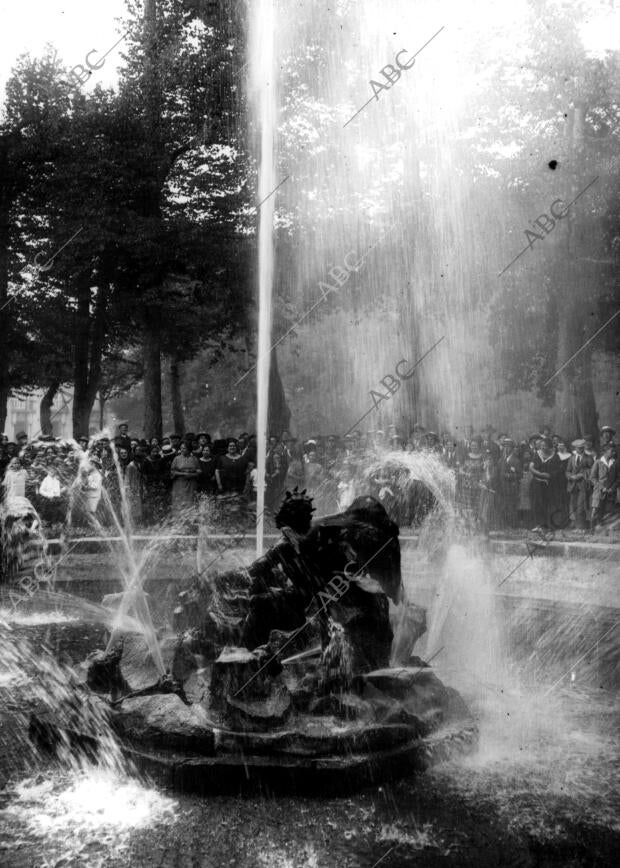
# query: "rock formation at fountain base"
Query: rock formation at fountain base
301,697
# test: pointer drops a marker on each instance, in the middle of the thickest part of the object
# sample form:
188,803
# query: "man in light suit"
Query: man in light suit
605,479
578,476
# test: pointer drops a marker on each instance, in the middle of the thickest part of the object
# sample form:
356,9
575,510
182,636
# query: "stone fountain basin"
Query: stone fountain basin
395,722
184,747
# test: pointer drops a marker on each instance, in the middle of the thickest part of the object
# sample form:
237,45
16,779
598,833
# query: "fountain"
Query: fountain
279,674
313,666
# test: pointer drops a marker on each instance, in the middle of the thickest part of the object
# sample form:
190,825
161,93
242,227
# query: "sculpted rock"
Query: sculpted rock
128,667
164,721
418,691
239,673
138,667
346,705
103,674
259,715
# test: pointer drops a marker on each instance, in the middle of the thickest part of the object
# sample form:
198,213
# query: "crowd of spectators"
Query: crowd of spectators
543,481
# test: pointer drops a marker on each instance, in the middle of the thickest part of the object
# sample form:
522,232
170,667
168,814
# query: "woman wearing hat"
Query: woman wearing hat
469,477
184,472
547,480
92,486
607,436
563,518
230,470
275,476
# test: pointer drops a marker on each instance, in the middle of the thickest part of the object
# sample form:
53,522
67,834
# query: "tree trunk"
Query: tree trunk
4,400
81,409
45,408
152,379
5,384
279,414
89,341
176,397
576,412
574,399
102,403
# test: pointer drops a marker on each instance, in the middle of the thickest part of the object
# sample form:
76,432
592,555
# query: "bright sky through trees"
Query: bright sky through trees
73,27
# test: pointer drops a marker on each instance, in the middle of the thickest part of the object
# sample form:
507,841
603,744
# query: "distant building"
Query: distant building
23,414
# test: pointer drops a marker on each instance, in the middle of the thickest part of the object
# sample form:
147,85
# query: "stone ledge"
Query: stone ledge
325,776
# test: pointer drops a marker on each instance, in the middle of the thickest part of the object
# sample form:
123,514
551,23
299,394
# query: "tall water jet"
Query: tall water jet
263,86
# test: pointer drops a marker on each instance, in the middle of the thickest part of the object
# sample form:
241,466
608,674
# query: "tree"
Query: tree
32,115
107,177
564,301
164,82
121,370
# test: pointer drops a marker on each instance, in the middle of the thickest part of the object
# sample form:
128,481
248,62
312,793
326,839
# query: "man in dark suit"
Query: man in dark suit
123,440
509,473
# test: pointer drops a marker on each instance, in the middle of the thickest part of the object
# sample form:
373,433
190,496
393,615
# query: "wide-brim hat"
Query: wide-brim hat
167,449
577,444
608,428
507,441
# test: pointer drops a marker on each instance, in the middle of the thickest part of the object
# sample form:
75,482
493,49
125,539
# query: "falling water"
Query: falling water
82,809
132,562
264,87
400,170
463,620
